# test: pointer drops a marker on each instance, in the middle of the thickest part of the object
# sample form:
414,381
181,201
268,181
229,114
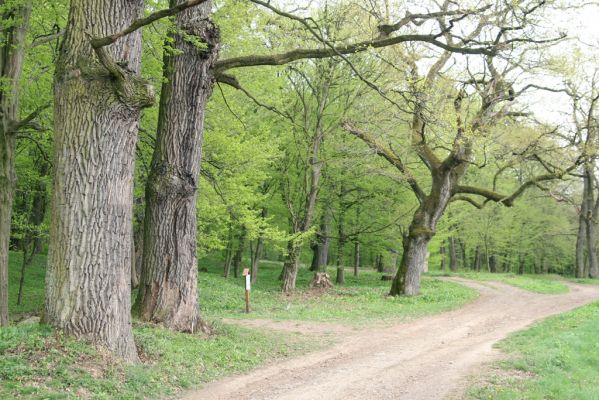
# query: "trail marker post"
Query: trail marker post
246,273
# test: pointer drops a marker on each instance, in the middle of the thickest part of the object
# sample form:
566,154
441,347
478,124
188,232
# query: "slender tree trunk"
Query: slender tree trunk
28,248
356,257
591,223
137,255
453,259
582,236
15,22
96,112
464,258
256,259
477,257
237,258
521,264
290,266
168,291
228,254
340,278
442,255
39,205
325,239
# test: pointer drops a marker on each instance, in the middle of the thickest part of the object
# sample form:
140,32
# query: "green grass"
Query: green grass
558,358
360,300
546,284
37,362
33,286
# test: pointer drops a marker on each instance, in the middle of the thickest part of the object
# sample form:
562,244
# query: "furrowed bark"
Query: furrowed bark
168,289
98,97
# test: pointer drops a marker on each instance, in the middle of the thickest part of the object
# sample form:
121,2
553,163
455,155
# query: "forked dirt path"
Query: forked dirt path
429,358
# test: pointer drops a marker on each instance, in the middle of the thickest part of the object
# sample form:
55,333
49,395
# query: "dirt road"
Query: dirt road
429,358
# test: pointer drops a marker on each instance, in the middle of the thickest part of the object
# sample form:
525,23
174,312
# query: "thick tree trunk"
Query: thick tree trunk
380,266
421,231
407,279
492,264
96,113
315,254
168,290
14,27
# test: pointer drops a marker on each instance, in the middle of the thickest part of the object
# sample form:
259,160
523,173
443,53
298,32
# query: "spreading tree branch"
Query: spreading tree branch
389,155
141,22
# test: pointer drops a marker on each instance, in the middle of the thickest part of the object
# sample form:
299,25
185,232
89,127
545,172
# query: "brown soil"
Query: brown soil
430,358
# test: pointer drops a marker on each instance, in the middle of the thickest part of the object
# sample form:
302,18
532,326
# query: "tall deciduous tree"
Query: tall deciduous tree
98,97
446,172
14,20
168,288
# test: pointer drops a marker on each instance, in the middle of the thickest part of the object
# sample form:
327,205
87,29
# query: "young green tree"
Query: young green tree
14,22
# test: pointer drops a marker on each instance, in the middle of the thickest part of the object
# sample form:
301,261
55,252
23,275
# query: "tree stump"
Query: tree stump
321,280
387,277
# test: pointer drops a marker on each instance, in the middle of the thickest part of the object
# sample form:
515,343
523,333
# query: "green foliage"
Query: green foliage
557,357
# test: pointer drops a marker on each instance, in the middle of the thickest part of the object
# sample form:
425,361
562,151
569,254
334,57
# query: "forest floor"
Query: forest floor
430,358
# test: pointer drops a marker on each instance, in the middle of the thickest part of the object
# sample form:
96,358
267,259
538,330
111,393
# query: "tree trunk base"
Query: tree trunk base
321,280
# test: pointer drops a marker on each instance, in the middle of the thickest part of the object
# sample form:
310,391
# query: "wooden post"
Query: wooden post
246,274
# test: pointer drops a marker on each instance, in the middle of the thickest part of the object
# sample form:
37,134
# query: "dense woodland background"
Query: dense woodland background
420,154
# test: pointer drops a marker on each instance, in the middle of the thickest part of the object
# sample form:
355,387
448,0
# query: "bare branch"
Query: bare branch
389,155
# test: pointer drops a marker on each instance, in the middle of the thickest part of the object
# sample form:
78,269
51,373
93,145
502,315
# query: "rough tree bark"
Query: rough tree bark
168,289
12,53
98,97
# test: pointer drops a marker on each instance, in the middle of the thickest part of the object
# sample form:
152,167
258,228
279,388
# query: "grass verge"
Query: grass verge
37,362
555,359
360,300
545,284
